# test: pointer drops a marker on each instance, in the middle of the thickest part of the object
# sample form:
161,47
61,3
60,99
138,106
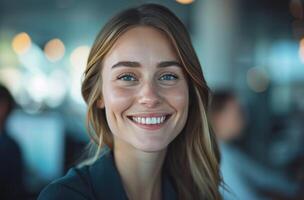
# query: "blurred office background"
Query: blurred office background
254,48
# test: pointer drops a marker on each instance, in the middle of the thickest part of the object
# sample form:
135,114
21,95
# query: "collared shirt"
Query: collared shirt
99,181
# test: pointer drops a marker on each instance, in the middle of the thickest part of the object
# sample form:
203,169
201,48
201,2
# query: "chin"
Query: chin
151,147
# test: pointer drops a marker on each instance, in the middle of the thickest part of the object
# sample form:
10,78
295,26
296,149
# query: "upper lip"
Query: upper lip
149,115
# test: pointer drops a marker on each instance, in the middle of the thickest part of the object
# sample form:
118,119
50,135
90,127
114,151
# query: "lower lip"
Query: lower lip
150,127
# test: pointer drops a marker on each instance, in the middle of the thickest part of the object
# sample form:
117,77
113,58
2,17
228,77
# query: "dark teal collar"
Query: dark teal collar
107,183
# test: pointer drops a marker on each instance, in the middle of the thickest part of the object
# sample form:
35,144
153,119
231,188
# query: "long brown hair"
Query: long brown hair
192,157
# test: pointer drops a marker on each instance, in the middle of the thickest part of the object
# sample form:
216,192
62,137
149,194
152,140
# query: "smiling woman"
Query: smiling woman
147,100
142,79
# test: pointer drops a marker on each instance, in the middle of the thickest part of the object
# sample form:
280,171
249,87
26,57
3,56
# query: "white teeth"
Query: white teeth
153,120
149,120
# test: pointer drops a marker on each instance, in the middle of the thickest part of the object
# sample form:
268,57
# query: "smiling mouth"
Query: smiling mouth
160,119
151,122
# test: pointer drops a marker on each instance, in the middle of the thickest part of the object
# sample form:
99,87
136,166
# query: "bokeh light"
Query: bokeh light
79,56
11,78
54,50
34,60
38,87
78,60
21,43
58,86
185,1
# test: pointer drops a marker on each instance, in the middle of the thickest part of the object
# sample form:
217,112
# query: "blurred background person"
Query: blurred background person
228,122
227,116
11,167
244,177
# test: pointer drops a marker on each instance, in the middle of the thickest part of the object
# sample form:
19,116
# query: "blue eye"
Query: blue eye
127,77
168,77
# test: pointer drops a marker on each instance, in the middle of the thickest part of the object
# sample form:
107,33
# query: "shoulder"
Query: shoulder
84,182
74,185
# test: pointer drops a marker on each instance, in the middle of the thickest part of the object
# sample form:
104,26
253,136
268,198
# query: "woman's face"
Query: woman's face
145,93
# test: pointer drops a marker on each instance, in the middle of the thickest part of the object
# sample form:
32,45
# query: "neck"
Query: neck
140,171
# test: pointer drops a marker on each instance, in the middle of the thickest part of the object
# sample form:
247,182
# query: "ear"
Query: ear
100,103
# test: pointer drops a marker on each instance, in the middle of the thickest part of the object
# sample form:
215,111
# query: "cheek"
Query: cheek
178,98
116,101
116,98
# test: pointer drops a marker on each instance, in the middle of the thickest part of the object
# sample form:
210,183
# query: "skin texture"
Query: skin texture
141,89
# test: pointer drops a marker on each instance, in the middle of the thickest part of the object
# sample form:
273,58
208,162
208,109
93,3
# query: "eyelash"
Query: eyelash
120,77
170,74
133,76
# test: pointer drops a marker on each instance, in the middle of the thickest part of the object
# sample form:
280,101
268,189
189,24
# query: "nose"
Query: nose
148,96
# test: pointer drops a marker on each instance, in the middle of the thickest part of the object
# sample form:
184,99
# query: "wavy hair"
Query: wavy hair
192,159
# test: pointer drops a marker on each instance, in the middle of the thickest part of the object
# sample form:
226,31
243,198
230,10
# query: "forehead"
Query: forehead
142,44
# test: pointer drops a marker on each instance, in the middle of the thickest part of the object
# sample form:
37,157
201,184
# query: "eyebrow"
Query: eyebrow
137,64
